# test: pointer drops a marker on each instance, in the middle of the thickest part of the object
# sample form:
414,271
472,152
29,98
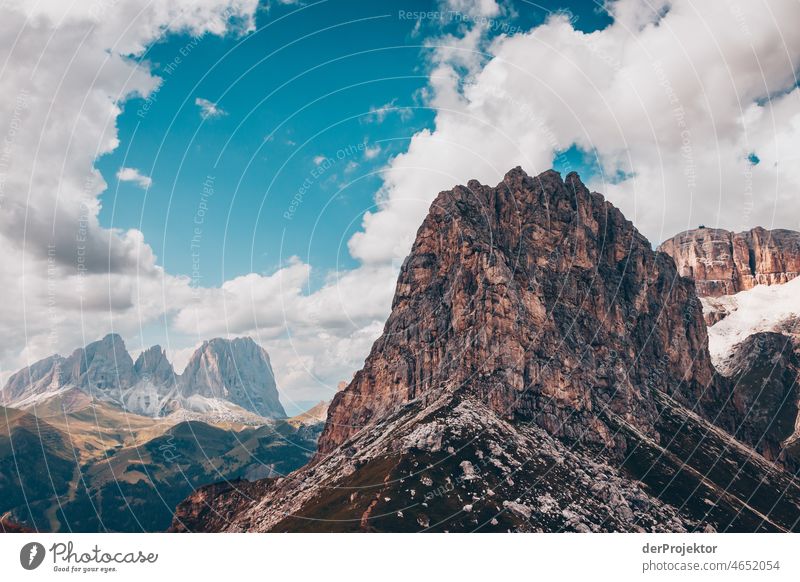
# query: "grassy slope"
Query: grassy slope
93,467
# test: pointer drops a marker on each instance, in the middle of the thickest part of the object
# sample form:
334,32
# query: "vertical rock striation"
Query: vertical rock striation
543,369
723,262
238,371
541,299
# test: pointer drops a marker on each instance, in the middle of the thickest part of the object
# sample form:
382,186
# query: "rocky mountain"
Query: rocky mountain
103,369
236,371
723,262
99,442
543,369
753,312
316,414
223,377
544,300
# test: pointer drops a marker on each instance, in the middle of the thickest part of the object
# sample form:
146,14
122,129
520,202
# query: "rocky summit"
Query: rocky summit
543,369
541,299
238,371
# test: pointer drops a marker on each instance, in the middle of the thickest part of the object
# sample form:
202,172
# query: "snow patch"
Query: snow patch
763,308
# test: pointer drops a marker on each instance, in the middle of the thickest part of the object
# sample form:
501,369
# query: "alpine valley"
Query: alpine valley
99,442
545,369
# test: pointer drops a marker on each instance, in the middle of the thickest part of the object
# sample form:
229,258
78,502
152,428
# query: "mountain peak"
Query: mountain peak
103,365
515,174
237,370
507,292
153,365
236,343
542,364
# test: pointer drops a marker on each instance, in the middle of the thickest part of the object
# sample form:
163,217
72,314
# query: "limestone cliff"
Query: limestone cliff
723,262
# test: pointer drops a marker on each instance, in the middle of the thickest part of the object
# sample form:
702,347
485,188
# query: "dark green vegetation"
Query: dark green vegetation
36,463
52,482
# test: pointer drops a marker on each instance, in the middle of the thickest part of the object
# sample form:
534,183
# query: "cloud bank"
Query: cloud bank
68,67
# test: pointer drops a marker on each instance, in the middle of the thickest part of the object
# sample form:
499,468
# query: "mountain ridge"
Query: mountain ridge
517,259
96,468
221,372
722,262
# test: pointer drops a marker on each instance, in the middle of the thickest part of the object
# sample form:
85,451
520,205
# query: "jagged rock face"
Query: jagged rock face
44,375
723,262
152,364
762,408
220,372
155,387
102,367
238,370
546,303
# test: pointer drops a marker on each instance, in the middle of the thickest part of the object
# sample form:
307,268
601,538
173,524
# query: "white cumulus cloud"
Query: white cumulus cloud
68,68
672,101
134,175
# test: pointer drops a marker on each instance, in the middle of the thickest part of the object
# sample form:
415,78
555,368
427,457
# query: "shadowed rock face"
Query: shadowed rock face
762,406
546,303
723,262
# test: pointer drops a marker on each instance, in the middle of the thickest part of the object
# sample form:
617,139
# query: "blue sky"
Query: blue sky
302,86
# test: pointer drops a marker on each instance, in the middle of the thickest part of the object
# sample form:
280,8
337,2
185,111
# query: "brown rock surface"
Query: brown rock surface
723,262
546,302
7,526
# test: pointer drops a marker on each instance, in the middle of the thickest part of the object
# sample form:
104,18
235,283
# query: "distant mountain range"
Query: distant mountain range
99,442
544,369
226,378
